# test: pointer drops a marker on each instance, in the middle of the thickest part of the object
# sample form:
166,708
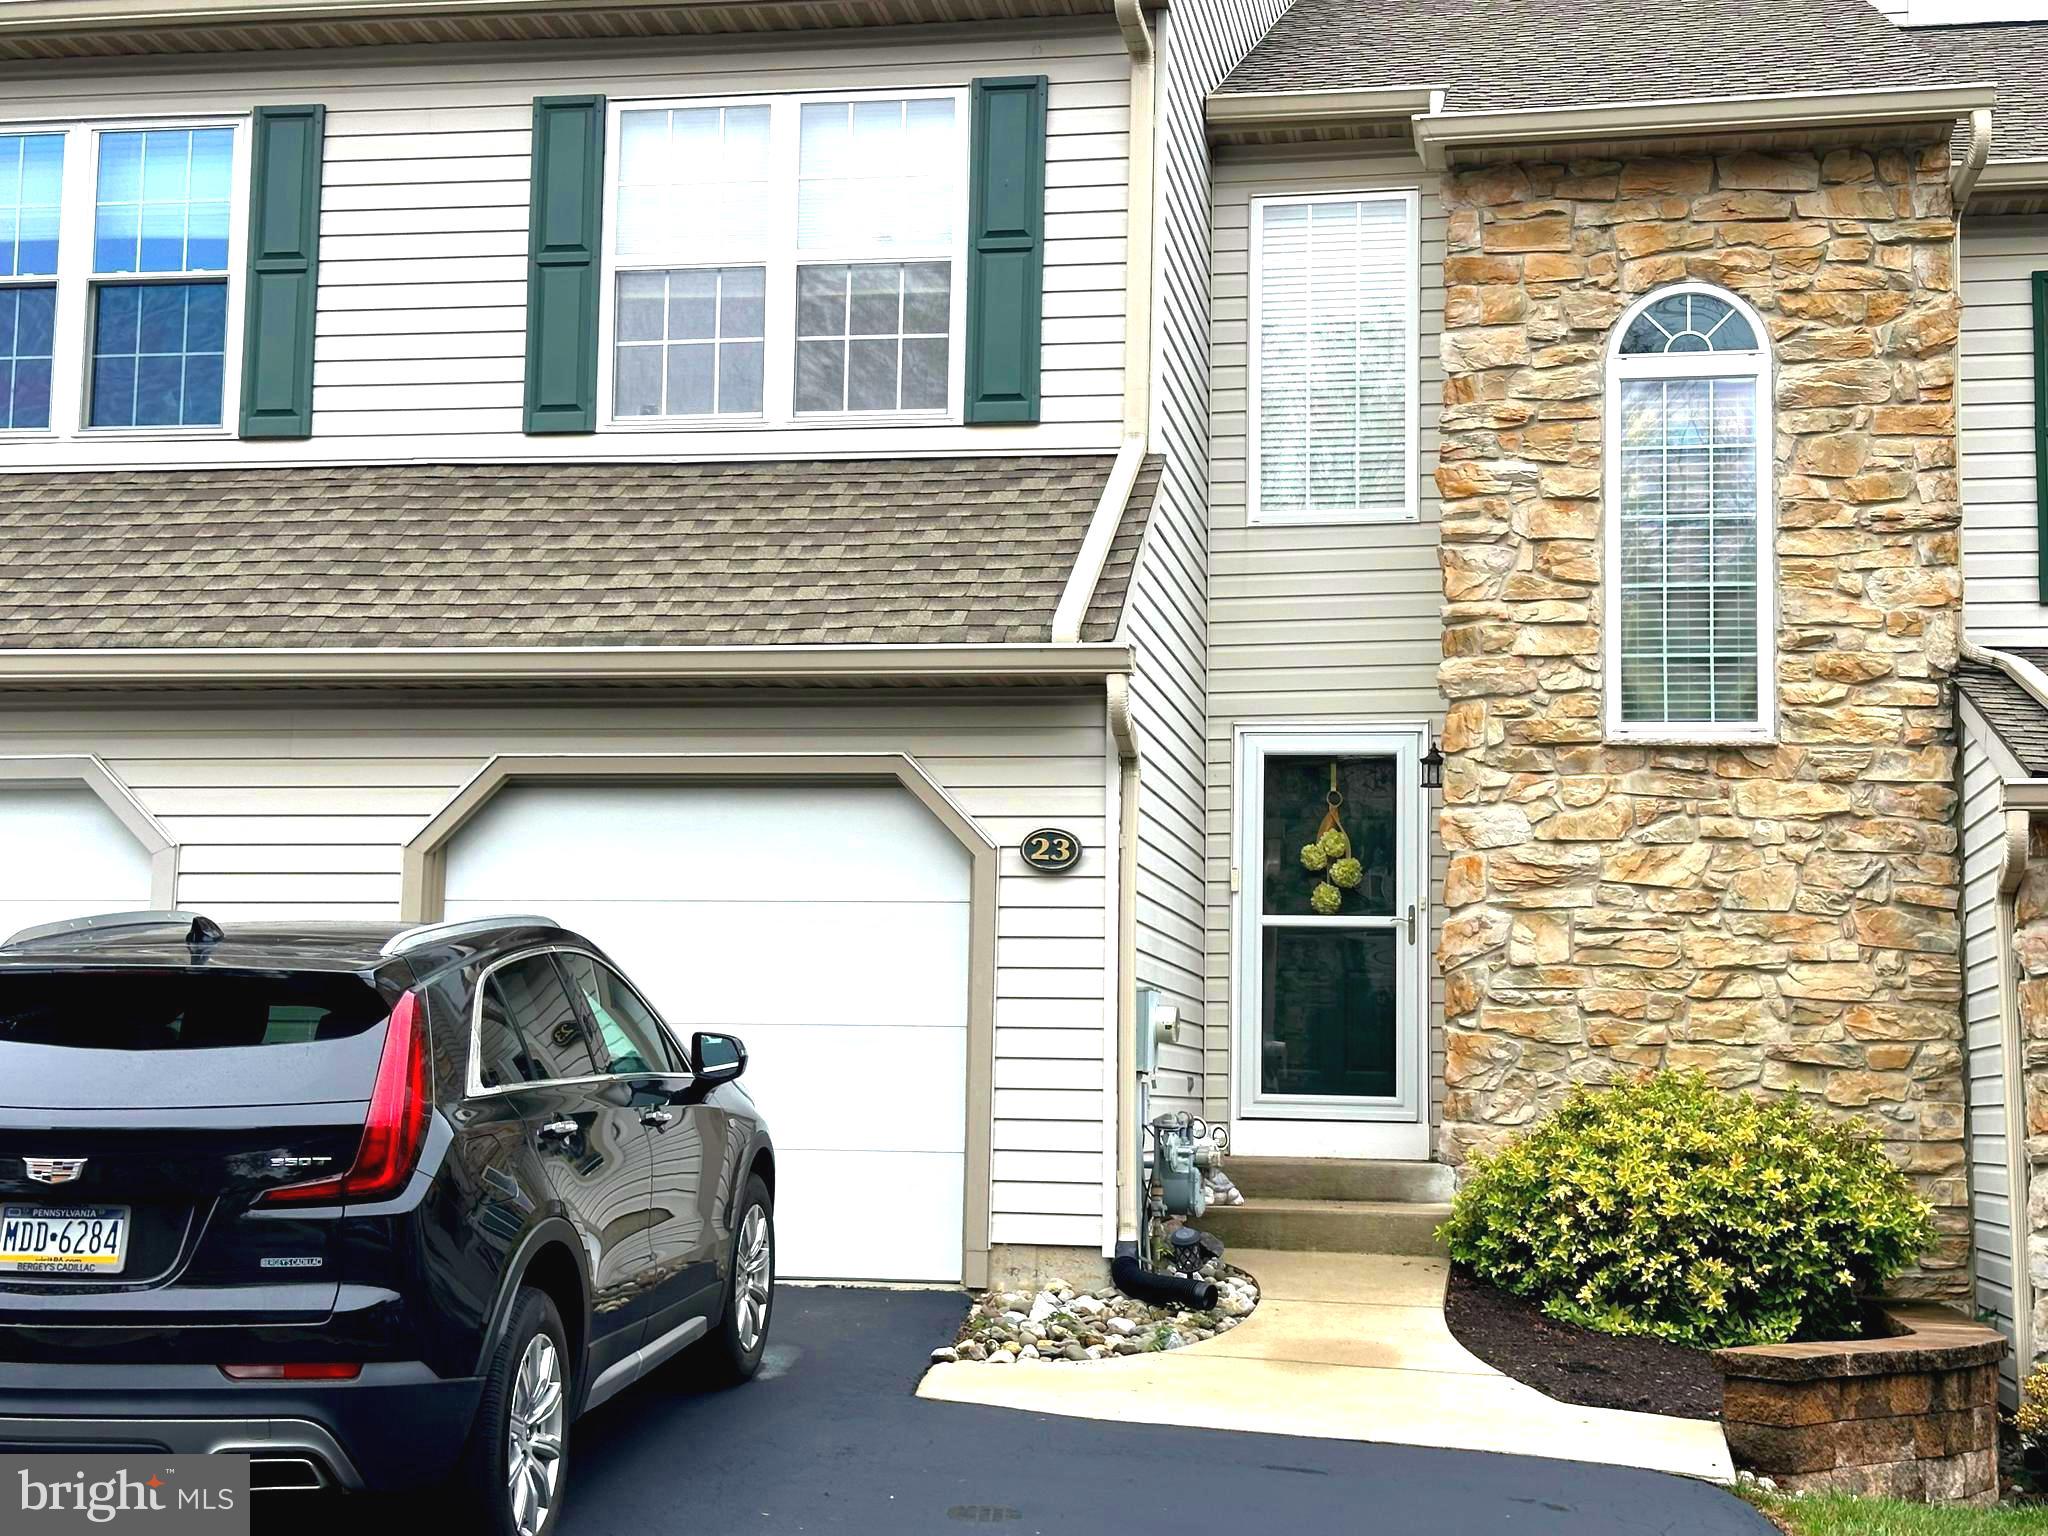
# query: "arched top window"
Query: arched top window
1691,614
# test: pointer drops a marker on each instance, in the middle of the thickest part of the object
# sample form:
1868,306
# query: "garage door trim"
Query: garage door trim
85,771
425,889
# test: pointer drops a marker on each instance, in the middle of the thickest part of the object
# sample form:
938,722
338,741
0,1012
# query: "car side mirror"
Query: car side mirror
717,1058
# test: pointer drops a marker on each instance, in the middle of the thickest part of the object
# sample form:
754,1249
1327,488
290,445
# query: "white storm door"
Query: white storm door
1330,993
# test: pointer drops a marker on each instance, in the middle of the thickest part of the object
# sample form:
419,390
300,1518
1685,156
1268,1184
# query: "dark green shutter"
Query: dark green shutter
284,272
2041,435
562,264
1005,248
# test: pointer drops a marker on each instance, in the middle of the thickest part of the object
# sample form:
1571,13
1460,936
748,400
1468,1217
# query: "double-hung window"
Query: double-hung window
31,200
786,259
1335,293
1690,631
117,253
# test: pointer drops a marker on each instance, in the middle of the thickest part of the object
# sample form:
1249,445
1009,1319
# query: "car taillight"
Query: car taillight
395,1129
320,1372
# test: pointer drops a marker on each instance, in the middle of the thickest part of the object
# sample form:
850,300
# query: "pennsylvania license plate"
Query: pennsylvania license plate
63,1239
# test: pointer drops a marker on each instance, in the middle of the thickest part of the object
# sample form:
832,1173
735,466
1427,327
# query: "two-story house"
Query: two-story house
1429,544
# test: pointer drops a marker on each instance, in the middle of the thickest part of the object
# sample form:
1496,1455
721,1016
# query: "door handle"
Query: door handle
557,1129
657,1118
1407,923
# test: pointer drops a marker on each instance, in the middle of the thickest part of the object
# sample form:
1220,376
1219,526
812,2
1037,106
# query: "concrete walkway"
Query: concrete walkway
1343,1347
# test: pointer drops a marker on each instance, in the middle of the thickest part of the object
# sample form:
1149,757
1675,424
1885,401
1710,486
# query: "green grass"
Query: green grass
1824,1514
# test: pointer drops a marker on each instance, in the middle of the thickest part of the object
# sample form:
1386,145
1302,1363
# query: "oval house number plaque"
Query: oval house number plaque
1051,850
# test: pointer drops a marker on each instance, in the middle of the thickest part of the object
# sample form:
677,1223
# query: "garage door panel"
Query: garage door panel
533,843
878,1215
829,1088
827,926
64,854
706,965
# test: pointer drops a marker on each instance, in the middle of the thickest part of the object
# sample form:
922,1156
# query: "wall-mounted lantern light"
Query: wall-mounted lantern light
1433,766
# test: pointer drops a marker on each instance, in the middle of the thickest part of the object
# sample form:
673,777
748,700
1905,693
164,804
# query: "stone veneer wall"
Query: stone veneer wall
2030,953
1783,917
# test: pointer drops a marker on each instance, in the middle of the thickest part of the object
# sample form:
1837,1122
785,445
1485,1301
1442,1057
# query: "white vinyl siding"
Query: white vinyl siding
1331,623
1333,295
300,808
2001,582
1996,1250
1166,616
421,328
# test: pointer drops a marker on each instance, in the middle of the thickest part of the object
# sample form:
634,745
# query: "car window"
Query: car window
629,1040
530,1032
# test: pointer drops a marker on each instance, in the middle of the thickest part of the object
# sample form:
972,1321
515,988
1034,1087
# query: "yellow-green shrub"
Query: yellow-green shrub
1670,1208
2032,1419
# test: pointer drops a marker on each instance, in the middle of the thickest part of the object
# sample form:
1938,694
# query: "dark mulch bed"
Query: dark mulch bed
1575,1365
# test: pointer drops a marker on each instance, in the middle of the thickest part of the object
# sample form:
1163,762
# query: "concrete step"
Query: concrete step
1330,1226
1338,1178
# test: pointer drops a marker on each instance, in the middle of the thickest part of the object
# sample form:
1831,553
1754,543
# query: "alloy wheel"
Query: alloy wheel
533,1451
751,1282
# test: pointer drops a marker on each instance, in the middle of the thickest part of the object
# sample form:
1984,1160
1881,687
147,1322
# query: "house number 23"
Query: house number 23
1050,849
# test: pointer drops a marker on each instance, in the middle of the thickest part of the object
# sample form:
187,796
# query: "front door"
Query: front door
1329,1004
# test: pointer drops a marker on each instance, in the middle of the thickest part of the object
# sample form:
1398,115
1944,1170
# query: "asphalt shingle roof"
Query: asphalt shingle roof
2020,719
876,551
1495,55
2014,57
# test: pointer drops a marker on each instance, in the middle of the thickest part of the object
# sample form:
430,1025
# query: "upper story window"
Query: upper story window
787,258
1691,613
31,198
117,253
1334,306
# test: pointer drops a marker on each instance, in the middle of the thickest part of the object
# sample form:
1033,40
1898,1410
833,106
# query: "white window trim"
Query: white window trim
70,370
1407,510
781,257
1403,1119
1757,365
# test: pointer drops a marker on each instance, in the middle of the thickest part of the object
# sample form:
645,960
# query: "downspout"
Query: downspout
1963,179
1127,1173
1137,426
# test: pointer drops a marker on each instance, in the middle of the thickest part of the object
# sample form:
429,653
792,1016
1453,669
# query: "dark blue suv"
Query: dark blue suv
376,1207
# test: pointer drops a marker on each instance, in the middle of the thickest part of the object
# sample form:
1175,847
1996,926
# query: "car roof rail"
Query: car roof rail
105,922
434,933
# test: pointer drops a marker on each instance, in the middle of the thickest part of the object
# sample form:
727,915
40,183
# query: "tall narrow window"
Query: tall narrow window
160,290
31,191
1334,294
1690,609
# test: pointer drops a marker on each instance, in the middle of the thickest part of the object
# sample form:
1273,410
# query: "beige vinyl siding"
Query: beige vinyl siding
1198,44
1986,919
300,808
2001,583
1326,622
421,329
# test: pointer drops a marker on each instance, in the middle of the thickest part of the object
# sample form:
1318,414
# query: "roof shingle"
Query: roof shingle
875,551
2020,719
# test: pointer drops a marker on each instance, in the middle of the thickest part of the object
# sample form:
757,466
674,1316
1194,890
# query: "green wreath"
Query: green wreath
1329,855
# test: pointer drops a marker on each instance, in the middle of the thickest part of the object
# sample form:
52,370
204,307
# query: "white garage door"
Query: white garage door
827,927
63,854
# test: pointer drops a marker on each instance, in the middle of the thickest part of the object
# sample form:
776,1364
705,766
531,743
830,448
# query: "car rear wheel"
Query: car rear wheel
733,1351
515,1469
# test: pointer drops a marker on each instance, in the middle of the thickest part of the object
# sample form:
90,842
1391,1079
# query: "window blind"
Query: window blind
1334,398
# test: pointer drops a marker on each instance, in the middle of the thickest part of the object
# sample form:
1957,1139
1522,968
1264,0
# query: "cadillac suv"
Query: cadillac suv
376,1207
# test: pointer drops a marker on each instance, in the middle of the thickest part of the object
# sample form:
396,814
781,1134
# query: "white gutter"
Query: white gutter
334,667
2014,176
1439,133
1127,1171
1971,166
1095,544
1239,110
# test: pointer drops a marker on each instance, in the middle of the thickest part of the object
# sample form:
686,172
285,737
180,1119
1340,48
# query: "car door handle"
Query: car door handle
657,1118
556,1129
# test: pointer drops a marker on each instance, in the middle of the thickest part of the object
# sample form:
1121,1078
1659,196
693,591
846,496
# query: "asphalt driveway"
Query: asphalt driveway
830,1439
